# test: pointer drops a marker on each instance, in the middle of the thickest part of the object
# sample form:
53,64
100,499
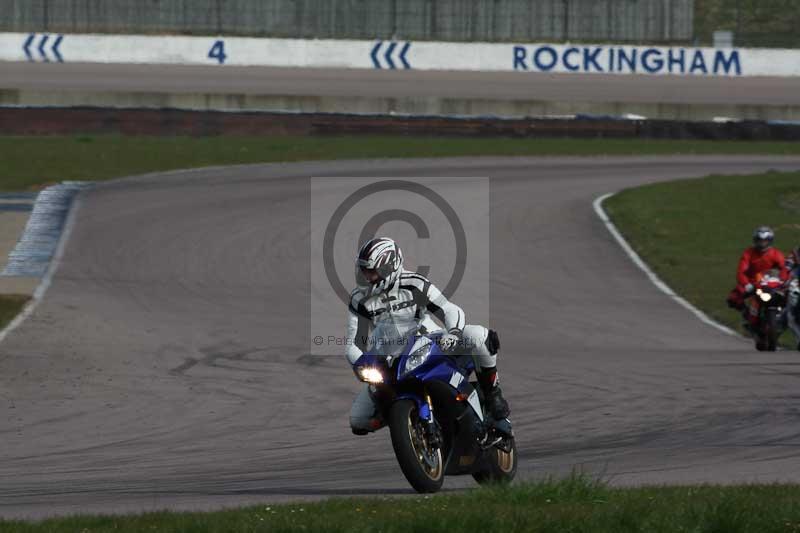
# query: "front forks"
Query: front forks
430,427
431,431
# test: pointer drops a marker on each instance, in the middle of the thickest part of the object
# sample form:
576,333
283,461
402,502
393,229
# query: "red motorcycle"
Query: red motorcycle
766,311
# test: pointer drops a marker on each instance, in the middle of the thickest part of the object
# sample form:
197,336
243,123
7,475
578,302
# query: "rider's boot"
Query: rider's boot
364,415
495,403
373,424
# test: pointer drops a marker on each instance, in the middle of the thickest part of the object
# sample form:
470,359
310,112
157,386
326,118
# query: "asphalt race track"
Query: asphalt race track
396,84
167,365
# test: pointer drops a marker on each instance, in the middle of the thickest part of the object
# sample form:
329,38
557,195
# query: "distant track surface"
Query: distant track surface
384,84
166,367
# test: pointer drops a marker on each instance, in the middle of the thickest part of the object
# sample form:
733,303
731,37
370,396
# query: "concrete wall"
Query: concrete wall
656,21
618,59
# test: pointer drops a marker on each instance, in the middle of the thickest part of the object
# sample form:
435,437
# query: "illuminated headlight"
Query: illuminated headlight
765,296
370,374
417,357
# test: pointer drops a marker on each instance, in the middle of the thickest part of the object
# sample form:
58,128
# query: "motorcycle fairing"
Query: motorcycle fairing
422,405
444,368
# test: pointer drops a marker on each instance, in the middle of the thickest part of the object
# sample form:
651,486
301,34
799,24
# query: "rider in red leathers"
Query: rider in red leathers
756,260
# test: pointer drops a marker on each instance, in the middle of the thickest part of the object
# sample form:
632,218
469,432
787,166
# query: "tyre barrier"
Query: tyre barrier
91,120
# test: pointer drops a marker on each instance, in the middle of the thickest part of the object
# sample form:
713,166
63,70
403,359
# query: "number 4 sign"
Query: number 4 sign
217,52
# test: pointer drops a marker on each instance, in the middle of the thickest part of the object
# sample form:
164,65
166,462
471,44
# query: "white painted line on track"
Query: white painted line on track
663,287
40,291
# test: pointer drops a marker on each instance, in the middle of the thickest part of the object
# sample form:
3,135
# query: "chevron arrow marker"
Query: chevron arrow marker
374,54
27,46
41,48
388,56
61,59
403,53
30,47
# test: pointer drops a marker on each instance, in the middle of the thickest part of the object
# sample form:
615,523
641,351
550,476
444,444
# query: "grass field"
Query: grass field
692,232
29,162
571,505
10,305
769,23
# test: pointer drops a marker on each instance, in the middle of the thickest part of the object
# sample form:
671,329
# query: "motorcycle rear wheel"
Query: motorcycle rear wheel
502,466
422,466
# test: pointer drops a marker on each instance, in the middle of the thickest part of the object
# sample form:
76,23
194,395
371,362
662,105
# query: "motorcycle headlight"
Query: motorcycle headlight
765,296
417,357
370,375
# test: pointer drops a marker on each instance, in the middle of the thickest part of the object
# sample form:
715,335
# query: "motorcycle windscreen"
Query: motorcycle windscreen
392,336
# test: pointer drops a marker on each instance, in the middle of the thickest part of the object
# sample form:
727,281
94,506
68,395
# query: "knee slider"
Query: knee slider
492,342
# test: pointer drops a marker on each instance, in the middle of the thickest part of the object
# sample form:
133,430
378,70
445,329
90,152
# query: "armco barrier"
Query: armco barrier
64,121
399,55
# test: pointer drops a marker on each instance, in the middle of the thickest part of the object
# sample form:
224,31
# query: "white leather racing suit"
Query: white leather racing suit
411,300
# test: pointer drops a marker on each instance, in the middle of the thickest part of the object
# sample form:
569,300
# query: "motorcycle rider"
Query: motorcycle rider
755,260
383,286
793,262
793,308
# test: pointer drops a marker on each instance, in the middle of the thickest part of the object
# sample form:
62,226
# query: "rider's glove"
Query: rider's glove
748,288
448,341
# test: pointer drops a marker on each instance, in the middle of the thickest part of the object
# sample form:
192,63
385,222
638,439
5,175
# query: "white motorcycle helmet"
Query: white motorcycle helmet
378,265
763,237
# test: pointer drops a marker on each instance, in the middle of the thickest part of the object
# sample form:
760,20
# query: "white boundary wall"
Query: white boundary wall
583,58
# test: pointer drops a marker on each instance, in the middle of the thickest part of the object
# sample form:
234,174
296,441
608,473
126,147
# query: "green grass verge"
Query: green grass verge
754,22
571,505
692,232
28,162
10,305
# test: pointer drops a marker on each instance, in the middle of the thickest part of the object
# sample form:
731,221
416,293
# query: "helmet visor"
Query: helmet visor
762,244
370,275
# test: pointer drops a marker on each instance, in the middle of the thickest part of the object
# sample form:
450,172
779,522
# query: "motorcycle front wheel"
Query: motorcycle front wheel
772,329
421,464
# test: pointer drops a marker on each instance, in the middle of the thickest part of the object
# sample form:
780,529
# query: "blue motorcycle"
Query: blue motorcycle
435,413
